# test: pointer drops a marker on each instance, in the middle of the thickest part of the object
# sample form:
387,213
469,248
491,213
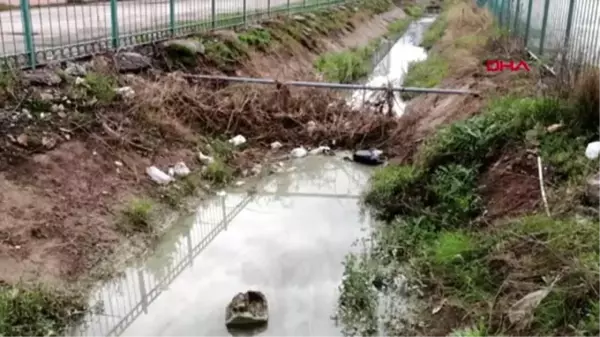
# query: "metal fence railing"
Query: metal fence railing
553,29
35,32
119,302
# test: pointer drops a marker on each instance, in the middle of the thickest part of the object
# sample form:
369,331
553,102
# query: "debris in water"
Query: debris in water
221,193
247,310
256,169
237,140
320,150
299,152
206,160
367,157
593,150
181,170
239,183
276,145
158,176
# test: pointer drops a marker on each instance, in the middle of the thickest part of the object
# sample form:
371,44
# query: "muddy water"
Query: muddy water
288,239
393,66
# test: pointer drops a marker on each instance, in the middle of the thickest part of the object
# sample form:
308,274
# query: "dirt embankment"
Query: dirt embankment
74,152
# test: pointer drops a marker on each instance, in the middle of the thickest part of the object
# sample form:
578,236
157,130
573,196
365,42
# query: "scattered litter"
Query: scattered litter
239,183
48,142
593,150
237,140
367,157
158,176
171,172
221,193
206,160
276,145
256,169
320,150
311,126
118,163
57,108
299,152
181,170
80,81
22,139
554,127
125,92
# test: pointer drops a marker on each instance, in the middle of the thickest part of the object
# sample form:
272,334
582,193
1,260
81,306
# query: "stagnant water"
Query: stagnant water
288,239
394,65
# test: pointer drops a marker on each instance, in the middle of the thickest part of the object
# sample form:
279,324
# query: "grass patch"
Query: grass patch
347,66
414,11
37,310
101,86
435,32
398,27
257,38
425,74
137,216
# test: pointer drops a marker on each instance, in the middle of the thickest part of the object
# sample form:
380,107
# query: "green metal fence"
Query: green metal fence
553,29
34,32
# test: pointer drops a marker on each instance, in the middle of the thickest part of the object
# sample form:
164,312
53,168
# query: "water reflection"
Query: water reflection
288,240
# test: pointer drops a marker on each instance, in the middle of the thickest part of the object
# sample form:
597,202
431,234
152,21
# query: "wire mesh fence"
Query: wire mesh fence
553,29
35,32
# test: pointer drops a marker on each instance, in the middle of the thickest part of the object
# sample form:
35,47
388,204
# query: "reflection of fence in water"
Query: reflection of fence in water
121,301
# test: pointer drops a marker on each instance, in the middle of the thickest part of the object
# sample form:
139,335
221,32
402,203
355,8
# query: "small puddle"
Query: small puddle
394,65
288,240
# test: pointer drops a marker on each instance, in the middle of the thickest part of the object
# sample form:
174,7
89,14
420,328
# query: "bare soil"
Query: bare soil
64,180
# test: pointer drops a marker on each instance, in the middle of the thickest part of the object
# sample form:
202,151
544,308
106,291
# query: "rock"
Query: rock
237,140
130,61
45,96
247,310
56,108
299,152
188,46
48,142
206,160
158,176
23,139
74,69
592,192
80,81
368,157
42,77
181,170
276,145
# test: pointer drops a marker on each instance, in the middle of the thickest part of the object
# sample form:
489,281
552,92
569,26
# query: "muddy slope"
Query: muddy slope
66,176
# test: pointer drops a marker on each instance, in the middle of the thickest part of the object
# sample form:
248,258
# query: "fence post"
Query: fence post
508,13
289,9
190,247
213,14
244,10
569,24
114,24
143,294
269,8
224,209
528,23
172,17
517,17
544,23
28,32
501,14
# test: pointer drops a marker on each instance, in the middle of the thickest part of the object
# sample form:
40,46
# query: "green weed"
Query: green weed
137,216
37,310
398,27
224,53
414,11
345,67
258,38
435,32
425,74
101,86
218,172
